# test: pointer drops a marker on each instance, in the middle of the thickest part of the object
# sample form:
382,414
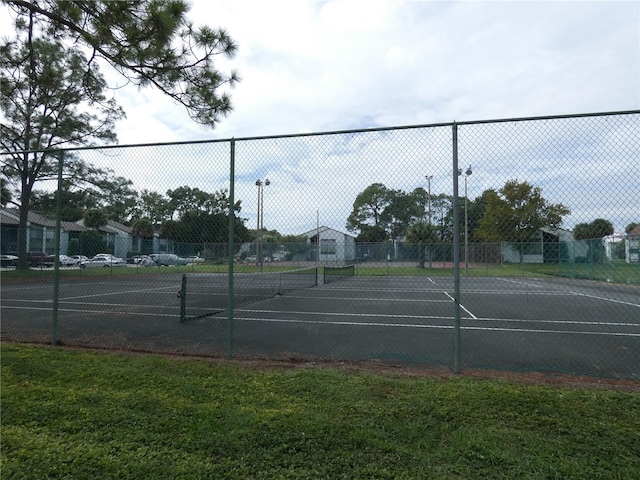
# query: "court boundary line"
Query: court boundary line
440,317
442,327
100,312
606,299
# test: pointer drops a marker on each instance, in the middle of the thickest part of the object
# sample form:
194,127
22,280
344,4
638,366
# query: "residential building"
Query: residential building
335,246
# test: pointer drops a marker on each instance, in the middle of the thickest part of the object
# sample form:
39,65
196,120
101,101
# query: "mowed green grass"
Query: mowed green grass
95,415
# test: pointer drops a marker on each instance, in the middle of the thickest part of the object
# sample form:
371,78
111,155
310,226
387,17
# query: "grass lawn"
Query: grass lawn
85,414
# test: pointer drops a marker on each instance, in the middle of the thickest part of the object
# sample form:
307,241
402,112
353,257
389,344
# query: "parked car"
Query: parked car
40,259
137,259
78,259
67,261
251,259
280,256
8,261
107,255
194,259
166,259
103,261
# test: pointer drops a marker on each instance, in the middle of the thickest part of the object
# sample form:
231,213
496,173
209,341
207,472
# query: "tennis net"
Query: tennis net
333,274
202,295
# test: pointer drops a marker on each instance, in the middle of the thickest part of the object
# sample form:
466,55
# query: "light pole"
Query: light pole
466,221
260,184
429,177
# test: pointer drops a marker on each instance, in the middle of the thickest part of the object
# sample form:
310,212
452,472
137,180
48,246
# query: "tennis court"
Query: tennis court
507,323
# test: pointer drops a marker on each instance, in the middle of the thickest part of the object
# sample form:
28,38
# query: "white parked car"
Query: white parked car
103,261
194,259
66,261
168,259
8,260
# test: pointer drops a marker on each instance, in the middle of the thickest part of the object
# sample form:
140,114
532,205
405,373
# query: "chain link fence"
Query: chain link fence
509,245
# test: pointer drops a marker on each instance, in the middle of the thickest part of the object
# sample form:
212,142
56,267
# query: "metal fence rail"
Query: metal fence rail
467,245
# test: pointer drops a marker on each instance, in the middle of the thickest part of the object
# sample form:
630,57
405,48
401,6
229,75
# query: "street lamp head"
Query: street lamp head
468,172
258,182
267,182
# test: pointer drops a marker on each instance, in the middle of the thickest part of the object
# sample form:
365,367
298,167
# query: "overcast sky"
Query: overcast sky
315,66
334,65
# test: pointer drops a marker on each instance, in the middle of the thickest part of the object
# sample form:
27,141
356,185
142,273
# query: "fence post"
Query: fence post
230,242
56,251
456,252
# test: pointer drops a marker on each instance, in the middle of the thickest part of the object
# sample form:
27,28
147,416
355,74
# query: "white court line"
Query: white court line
606,299
124,292
326,288
373,324
102,312
520,283
440,317
463,290
420,326
368,299
431,280
461,306
94,304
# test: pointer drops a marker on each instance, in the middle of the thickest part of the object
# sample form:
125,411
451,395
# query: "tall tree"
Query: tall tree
52,96
74,201
150,43
154,206
143,228
442,215
595,230
372,234
476,210
402,210
118,198
592,234
186,200
515,212
368,207
114,195
421,235
43,88
95,219
5,193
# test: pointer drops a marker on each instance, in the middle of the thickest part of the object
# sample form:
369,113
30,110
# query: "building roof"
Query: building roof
315,231
111,227
11,216
7,219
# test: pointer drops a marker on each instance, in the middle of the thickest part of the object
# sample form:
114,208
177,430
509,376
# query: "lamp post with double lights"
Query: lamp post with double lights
466,220
260,184
429,177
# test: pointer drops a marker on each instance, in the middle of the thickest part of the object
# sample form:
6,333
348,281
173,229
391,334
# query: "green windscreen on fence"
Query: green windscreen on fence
333,274
202,295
